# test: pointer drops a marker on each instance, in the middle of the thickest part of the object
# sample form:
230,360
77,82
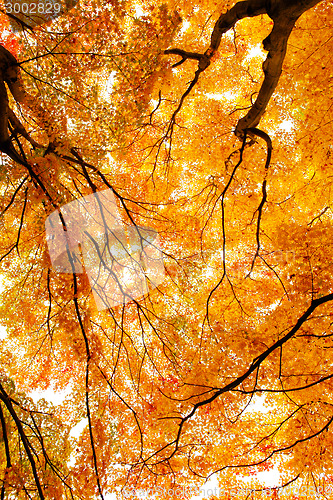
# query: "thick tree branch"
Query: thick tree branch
6,145
256,363
284,14
225,22
10,75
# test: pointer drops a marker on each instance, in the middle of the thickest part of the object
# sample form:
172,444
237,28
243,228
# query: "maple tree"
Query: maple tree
211,124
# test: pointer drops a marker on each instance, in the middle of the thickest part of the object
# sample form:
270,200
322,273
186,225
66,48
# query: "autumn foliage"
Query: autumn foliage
224,370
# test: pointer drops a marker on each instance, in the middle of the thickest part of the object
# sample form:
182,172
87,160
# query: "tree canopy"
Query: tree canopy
210,124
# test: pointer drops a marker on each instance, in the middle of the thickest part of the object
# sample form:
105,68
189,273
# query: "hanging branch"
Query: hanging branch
231,386
284,14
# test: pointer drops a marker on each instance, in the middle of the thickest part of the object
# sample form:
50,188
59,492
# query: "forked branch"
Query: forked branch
284,14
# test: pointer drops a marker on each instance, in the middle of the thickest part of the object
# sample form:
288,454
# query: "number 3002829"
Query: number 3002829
33,8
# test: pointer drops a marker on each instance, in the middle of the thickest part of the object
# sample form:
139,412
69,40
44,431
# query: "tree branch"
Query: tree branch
284,14
6,400
8,459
